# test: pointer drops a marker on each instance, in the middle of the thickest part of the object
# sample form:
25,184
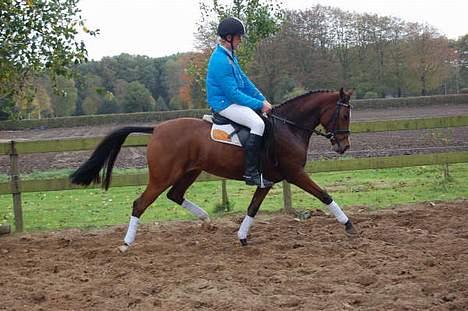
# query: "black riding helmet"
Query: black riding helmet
230,26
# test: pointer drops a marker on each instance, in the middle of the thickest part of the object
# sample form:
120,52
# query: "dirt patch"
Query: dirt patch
407,258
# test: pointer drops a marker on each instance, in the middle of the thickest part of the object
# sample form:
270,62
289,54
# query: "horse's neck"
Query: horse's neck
305,112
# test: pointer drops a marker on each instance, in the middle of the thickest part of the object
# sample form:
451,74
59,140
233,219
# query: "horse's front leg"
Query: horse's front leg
254,205
303,181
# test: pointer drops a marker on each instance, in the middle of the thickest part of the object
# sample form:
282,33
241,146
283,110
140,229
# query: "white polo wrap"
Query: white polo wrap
336,210
245,227
131,231
194,209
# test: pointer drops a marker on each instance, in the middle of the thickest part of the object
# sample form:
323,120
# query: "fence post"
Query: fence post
15,188
287,198
225,198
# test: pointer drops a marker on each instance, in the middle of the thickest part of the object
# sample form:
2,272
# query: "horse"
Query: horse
180,149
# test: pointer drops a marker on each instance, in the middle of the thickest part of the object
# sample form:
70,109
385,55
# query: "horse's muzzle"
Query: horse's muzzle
340,148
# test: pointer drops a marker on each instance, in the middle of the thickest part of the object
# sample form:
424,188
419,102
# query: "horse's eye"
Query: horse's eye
346,118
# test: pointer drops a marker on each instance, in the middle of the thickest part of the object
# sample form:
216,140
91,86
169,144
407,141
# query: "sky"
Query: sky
158,28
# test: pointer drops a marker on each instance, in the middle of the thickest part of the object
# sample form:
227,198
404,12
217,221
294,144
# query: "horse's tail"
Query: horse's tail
104,156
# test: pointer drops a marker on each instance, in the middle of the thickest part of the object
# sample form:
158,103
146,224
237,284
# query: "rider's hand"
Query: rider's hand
266,106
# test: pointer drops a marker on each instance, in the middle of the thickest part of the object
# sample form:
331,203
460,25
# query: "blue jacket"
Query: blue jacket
227,84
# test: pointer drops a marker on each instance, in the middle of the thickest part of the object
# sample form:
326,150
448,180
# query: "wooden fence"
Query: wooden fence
15,148
157,116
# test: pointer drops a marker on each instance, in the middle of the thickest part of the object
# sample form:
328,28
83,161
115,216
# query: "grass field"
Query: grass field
372,188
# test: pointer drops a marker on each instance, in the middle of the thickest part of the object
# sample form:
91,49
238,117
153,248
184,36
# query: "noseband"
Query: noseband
331,135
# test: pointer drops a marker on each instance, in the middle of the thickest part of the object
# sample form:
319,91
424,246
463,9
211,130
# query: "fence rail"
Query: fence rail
77,144
158,116
139,179
18,147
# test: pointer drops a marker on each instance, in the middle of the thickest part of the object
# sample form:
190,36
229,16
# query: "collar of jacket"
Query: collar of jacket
228,52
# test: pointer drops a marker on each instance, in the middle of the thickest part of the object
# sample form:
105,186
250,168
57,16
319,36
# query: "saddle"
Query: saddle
226,131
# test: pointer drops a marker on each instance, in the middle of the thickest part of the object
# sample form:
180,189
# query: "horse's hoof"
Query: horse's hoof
243,242
123,248
350,230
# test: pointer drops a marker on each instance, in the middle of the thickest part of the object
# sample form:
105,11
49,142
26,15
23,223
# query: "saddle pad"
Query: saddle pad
224,133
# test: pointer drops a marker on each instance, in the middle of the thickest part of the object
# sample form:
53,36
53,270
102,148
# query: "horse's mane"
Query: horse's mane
294,99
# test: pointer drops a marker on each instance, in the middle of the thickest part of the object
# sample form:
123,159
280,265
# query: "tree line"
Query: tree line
378,56
285,54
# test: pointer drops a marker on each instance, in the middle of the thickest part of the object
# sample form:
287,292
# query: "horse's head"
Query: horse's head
335,118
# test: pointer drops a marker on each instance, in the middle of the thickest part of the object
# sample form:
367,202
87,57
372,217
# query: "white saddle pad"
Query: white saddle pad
223,133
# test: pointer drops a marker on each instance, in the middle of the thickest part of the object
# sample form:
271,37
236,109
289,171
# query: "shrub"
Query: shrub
371,95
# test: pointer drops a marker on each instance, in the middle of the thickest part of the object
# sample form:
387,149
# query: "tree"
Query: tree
92,93
343,33
41,103
38,36
462,63
138,98
64,97
175,103
109,105
8,109
179,82
427,57
299,56
161,105
262,19
397,70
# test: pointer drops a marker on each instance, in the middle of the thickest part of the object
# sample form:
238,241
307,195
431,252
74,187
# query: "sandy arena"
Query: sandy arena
406,258
413,257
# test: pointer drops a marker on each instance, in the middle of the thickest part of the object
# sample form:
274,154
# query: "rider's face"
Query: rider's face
236,40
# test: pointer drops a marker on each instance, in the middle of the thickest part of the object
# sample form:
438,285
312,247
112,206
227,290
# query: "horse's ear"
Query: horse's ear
342,93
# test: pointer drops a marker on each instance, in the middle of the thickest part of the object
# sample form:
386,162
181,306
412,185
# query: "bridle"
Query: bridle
331,135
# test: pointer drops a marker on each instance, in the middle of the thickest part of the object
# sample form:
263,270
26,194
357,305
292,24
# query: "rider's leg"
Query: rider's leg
252,174
247,117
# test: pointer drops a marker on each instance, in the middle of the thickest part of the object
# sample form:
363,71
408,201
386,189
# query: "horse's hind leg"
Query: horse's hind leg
152,191
177,192
257,200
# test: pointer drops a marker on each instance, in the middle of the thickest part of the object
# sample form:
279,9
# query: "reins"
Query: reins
329,135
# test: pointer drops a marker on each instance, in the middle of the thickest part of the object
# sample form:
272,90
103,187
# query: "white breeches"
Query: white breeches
244,116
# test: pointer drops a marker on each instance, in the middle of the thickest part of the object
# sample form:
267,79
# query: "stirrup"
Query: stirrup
258,180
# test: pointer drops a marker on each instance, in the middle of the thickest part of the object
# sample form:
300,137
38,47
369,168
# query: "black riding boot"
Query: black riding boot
252,175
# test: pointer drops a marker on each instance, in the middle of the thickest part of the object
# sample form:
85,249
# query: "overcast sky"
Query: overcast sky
159,28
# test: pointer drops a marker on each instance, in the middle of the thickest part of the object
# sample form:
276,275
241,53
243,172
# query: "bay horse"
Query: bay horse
180,149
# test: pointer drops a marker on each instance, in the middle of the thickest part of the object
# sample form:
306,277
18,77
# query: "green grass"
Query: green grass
372,188
64,173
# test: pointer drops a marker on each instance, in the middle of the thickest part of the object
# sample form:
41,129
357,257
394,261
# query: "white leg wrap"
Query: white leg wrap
195,209
245,227
336,210
131,231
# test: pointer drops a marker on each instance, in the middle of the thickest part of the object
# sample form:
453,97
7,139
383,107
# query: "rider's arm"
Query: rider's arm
250,88
225,77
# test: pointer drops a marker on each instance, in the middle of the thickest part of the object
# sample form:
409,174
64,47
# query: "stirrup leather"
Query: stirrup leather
258,180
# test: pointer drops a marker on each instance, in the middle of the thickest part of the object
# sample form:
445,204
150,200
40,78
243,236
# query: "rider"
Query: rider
231,94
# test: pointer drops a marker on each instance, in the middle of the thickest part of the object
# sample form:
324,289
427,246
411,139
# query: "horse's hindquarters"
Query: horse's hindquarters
181,145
